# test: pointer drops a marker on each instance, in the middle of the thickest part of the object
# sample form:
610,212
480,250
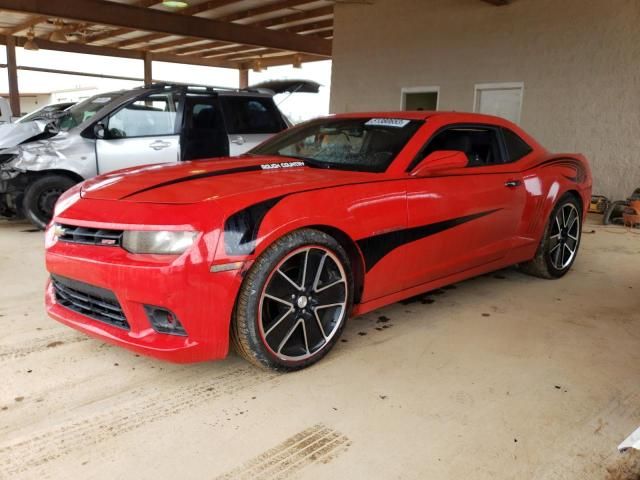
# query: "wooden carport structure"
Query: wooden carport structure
238,34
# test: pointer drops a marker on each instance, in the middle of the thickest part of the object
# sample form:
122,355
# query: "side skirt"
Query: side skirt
371,305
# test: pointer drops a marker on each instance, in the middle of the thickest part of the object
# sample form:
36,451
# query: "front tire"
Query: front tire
294,302
560,242
41,196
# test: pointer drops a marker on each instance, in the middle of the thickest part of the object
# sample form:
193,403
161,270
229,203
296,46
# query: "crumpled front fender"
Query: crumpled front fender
64,152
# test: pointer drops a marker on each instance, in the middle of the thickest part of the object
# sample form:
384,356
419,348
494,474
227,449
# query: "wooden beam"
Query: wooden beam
73,72
121,15
498,3
121,53
273,7
12,72
148,73
31,22
243,79
283,60
307,15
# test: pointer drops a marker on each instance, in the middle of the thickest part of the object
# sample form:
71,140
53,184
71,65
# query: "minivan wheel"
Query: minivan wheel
294,302
41,196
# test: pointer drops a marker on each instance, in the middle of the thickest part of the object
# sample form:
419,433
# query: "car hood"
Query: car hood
197,181
13,134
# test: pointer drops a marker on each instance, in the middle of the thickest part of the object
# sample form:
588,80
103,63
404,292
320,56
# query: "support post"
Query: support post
243,78
12,71
148,70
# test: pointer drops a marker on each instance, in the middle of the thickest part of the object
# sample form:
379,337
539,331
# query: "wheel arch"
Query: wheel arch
344,239
354,254
35,174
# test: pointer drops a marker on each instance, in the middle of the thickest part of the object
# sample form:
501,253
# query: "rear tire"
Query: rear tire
41,196
294,302
560,241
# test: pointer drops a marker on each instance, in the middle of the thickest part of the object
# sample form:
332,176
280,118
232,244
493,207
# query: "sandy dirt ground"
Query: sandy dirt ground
504,376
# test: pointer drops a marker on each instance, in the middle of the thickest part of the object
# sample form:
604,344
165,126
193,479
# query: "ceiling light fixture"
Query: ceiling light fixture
31,44
297,61
58,35
175,3
257,65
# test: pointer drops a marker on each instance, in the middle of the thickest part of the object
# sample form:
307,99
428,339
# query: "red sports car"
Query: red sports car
274,250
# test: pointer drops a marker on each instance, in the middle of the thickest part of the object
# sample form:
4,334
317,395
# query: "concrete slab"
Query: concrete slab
503,376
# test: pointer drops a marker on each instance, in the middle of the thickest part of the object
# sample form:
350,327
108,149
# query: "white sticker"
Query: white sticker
101,100
388,122
272,166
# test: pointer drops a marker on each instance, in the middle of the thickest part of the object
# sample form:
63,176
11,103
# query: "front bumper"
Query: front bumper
202,301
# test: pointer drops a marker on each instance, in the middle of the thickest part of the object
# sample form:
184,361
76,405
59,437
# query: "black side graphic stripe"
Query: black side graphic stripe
241,228
375,248
198,176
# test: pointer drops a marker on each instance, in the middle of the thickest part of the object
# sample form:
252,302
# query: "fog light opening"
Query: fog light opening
164,321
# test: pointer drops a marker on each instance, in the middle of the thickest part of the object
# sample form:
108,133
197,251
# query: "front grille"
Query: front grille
94,302
89,236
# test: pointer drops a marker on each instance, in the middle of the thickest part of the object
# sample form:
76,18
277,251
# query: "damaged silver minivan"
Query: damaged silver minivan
160,123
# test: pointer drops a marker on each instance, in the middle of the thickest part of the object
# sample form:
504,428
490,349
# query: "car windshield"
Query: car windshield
42,113
361,144
83,111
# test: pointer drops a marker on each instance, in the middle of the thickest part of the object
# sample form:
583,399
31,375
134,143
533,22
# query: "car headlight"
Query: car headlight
162,242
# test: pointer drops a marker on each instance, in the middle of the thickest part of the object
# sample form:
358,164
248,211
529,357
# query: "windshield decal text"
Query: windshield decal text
273,166
388,122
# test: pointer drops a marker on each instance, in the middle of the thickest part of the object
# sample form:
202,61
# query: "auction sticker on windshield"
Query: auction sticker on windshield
388,122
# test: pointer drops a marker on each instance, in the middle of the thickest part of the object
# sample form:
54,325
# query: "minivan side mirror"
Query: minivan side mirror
99,130
439,161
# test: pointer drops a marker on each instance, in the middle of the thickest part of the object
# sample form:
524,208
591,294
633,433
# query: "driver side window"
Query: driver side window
154,115
479,144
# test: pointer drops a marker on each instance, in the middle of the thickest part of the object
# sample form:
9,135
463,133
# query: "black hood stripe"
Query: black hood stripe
241,228
375,248
198,176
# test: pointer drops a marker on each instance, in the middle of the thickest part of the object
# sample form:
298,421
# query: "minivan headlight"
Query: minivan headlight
162,242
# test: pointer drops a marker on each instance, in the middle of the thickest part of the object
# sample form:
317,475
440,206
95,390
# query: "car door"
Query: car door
250,120
143,131
203,131
467,217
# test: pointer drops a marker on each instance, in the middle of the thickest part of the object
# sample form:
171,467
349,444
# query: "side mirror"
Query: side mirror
439,161
51,128
99,130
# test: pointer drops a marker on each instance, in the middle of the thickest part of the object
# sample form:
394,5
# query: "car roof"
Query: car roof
456,117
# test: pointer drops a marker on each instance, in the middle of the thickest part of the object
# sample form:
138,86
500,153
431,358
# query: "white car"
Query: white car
161,123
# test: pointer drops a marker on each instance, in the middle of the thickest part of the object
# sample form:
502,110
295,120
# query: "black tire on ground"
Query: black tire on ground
559,238
299,273
613,213
40,198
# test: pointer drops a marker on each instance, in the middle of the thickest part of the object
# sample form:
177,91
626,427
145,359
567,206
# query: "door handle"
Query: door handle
512,183
239,140
159,145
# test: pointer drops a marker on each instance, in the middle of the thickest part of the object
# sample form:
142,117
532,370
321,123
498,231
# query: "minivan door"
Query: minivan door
144,131
250,120
203,130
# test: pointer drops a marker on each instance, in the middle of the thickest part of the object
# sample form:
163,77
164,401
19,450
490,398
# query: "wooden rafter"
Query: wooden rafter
498,3
151,20
207,6
31,22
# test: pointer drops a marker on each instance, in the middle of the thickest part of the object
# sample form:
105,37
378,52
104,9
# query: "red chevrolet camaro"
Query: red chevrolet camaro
275,249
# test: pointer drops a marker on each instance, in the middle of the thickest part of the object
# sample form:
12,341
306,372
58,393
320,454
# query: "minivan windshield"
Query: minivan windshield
83,111
361,144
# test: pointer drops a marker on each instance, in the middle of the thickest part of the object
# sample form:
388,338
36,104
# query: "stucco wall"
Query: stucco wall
579,61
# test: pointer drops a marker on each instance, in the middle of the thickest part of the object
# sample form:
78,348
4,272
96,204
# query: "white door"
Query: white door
501,100
143,132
